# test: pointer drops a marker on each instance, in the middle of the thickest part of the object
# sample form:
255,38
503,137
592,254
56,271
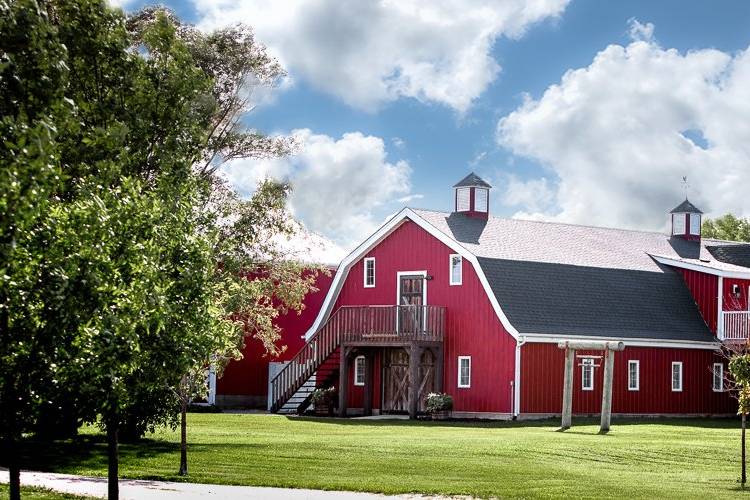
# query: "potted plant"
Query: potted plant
439,405
325,400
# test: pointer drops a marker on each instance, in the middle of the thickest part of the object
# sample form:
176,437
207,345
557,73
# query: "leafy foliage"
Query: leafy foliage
727,227
439,401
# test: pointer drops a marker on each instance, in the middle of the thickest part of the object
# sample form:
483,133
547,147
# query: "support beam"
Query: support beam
567,405
369,370
439,368
609,366
591,345
415,355
343,380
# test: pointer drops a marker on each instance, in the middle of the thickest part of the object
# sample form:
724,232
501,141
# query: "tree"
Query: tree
727,227
739,368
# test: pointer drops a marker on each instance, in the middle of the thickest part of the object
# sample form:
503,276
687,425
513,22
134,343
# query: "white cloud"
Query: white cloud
370,53
612,135
533,195
640,32
341,186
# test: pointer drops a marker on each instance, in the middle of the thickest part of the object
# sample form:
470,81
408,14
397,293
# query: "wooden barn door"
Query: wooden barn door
411,293
396,380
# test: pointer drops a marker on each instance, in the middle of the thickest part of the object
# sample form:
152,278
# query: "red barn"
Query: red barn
475,306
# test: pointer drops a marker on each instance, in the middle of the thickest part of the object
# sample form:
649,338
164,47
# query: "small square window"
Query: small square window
462,199
359,370
480,200
464,371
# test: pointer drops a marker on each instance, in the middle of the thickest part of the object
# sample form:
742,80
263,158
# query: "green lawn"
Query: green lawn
32,493
658,458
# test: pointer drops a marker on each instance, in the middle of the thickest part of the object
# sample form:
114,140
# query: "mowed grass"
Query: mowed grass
648,459
33,493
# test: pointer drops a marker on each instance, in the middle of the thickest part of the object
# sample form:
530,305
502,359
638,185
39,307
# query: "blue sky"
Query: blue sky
653,95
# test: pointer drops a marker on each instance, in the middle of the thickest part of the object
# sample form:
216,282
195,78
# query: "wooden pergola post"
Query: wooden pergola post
415,354
609,349
567,405
343,380
369,370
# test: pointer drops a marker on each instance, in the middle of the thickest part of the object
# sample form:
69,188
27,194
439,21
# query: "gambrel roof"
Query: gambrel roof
572,280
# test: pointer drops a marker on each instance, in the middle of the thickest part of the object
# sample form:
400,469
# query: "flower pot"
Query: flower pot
440,415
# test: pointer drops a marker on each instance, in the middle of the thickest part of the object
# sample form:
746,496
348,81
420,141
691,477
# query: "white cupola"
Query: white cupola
471,196
686,221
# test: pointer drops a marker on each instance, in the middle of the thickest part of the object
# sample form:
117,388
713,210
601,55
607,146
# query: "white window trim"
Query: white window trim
460,269
486,192
720,366
369,259
671,376
357,361
460,385
637,364
468,199
587,364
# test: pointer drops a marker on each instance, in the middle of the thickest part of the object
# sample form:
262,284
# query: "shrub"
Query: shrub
439,401
327,396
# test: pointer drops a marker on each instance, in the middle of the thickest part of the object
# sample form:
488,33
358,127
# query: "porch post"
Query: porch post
609,366
369,368
415,353
343,380
439,368
567,405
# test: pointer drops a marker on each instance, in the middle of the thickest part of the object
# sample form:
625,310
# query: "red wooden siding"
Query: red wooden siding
472,327
249,375
542,367
736,303
705,290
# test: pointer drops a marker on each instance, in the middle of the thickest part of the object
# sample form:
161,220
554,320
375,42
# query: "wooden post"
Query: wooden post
609,366
438,351
343,381
415,353
369,367
567,405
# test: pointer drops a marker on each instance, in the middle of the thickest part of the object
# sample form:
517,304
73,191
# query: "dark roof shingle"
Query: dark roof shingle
686,207
472,180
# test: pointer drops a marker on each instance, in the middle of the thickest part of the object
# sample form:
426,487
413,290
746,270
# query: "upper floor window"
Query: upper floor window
677,376
359,370
462,199
718,377
587,374
695,224
456,269
634,375
480,200
678,223
464,371
370,272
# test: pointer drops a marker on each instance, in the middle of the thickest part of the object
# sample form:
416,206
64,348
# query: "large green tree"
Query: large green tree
727,227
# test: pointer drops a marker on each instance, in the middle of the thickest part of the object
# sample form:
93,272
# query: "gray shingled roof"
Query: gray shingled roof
737,254
472,180
686,207
562,279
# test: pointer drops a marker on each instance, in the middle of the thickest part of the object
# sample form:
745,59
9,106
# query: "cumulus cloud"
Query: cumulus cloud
370,53
618,135
639,31
341,186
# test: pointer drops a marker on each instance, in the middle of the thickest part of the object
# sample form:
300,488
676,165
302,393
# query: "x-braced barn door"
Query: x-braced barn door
396,380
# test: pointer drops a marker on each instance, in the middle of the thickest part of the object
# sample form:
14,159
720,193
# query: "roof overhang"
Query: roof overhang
703,268
629,342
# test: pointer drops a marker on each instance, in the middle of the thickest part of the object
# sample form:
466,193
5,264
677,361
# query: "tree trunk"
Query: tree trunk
743,478
14,473
113,487
183,439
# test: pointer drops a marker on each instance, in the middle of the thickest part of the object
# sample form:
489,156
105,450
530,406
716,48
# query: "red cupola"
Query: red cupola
472,196
686,221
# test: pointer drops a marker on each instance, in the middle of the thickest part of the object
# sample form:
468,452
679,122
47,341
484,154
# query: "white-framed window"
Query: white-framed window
456,271
676,376
370,272
695,224
587,374
480,199
718,377
634,375
464,371
359,370
462,199
678,223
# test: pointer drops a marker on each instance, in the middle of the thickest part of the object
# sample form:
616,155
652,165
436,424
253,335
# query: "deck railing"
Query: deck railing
735,325
361,325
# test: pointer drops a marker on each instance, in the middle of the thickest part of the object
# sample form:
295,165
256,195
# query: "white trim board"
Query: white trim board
701,268
629,342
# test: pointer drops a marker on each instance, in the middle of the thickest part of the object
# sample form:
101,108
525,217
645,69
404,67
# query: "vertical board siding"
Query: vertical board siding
472,327
735,303
249,376
705,290
542,368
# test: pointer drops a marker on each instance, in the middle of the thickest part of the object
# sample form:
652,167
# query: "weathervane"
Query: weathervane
685,185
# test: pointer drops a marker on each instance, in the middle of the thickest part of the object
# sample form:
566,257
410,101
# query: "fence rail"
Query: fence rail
735,325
